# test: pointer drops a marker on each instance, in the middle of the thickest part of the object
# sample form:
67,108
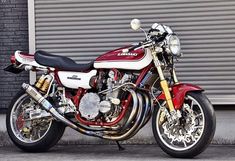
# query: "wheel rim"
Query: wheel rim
188,132
24,129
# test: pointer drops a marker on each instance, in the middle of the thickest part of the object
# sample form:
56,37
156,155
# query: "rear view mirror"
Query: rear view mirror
135,24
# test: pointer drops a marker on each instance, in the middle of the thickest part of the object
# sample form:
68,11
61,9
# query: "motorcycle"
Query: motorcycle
112,97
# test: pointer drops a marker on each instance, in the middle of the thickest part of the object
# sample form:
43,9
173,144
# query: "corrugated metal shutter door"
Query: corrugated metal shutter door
84,29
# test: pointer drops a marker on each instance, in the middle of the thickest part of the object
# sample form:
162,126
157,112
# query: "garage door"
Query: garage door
83,29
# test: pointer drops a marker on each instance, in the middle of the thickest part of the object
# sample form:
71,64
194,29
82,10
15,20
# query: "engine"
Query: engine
104,106
91,106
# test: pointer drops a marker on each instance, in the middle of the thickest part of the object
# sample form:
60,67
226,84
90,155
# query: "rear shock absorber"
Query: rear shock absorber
43,83
40,81
46,84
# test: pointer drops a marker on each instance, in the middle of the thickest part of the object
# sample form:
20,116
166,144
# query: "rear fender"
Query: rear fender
19,60
26,59
178,92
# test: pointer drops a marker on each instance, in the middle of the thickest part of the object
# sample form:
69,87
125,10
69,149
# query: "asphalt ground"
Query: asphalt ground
111,152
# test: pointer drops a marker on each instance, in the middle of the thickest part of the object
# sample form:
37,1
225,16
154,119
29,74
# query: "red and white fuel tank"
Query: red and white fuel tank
120,59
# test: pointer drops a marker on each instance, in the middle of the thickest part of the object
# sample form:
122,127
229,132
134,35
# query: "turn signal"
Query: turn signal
13,59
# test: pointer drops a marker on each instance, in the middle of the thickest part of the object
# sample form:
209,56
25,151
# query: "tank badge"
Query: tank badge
127,54
75,77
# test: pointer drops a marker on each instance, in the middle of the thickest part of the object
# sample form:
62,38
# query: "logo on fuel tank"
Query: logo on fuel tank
127,54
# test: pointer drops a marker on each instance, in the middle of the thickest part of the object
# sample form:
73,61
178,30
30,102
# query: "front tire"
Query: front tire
31,136
192,134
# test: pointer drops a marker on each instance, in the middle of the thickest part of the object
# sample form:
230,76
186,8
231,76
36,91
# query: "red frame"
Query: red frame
125,103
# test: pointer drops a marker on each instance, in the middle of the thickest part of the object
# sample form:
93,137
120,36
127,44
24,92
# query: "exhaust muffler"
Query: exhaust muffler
46,105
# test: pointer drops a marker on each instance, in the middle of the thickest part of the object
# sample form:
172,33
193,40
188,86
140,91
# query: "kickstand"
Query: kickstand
120,148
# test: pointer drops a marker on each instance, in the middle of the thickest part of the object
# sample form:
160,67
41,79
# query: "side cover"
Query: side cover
75,80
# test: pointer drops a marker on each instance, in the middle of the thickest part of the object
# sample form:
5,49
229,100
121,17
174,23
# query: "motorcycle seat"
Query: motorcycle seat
60,62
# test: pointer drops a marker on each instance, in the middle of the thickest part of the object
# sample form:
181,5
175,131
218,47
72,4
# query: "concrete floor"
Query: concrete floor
110,152
225,132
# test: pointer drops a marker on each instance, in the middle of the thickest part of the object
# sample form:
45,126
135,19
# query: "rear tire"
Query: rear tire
51,136
173,148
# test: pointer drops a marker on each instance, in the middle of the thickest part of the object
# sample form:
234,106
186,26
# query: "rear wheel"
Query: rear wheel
31,135
192,133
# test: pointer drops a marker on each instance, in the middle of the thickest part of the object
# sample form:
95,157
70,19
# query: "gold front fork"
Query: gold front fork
163,83
174,76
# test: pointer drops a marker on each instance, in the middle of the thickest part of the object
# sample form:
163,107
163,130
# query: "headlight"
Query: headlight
173,45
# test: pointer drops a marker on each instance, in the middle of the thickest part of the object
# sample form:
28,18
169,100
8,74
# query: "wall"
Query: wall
13,36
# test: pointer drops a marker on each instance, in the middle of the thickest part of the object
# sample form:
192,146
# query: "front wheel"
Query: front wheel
27,131
192,133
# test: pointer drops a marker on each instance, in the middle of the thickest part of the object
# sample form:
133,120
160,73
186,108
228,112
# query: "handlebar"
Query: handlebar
134,47
149,42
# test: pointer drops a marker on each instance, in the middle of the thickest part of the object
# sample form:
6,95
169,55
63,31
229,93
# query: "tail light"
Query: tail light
13,59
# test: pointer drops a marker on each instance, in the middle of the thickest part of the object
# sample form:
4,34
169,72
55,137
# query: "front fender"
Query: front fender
178,92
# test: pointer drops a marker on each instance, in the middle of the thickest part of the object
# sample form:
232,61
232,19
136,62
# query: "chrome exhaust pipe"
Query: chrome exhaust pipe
133,128
146,108
133,111
150,109
143,116
46,105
